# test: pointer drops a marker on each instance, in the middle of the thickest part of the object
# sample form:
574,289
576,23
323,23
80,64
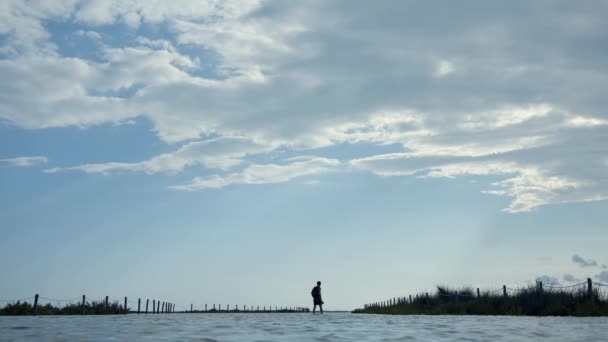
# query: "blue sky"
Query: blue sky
236,152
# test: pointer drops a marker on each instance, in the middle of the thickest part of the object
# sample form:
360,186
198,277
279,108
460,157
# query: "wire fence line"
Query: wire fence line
587,287
59,300
107,304
83,305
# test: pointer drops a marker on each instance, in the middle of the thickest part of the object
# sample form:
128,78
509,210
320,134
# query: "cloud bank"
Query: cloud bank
514,91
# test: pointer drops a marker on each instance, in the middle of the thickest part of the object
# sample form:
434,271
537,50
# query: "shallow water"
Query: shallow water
300,327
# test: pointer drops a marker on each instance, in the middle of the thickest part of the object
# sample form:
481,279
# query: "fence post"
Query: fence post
205,307
478,293
36,304
504,290
147,301
83,303
157,306
589,288
138,304
125,305
106,304
153,306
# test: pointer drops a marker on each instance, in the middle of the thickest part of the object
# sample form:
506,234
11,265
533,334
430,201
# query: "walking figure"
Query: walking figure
316,297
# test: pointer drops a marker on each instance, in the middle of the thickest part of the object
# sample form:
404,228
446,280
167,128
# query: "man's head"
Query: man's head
318,283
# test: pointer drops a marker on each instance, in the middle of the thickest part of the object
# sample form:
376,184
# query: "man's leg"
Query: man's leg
321,308
314,308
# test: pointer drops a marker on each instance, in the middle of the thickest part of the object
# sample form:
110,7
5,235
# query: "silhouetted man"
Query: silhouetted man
316,297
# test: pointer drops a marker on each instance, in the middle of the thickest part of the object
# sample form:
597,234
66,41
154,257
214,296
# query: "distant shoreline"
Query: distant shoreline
528,301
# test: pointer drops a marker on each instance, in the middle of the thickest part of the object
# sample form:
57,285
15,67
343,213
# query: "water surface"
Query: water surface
300,327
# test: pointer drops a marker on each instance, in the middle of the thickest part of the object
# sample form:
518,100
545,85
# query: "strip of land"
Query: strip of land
529,301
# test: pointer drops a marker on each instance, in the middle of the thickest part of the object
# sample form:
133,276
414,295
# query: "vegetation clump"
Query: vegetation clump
528,301
90,308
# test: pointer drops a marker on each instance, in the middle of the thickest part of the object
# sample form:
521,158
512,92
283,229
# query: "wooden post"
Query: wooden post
205,307
138,304
36,304
162,309
125,305
589,288
504,290
258,308
157,306
83,303
478,296
147,301
153,306
106,304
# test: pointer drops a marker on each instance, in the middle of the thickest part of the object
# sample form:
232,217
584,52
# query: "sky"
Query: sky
236,152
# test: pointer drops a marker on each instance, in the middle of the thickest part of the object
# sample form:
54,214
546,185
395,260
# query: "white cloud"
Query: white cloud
93,35
263,174
24,161
444,68
508,103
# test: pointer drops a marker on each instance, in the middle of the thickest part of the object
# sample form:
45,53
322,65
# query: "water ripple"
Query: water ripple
273,327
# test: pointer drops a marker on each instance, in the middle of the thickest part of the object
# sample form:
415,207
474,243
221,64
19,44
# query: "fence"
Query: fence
106,305
91,306
591,288
244,308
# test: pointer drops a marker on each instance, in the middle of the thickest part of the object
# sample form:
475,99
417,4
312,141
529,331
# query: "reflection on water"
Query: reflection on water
300,327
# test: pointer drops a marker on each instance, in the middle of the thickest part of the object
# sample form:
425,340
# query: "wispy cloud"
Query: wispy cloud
263,174
219,153
24,161
582,262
